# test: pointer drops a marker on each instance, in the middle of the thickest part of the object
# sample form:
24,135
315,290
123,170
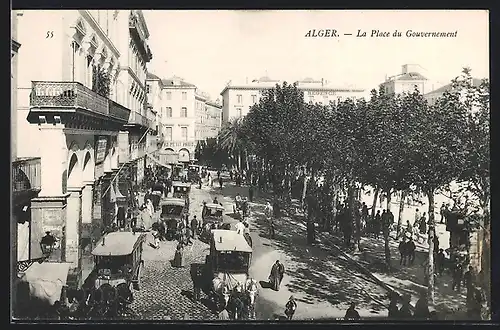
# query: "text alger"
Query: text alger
329,33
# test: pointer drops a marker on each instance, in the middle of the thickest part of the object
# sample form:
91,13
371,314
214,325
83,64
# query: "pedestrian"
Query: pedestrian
470,281
402,252
250,192
440,260
393,310
220,182
442,212
194,227
422,307
423,224
410,249
209,180
276,275
352,313
290,307
156,236
377,223
178,257
240,227
405,310
189,235
457,275
474,306
417,217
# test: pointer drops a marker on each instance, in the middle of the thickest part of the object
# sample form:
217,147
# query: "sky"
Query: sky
210,48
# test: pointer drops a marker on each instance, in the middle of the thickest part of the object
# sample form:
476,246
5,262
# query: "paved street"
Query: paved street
322,281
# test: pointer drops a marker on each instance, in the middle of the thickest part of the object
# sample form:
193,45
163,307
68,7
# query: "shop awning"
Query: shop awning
158,162
46,280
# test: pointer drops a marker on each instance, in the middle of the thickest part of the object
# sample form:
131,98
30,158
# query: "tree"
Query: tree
438,155
232,140
101,82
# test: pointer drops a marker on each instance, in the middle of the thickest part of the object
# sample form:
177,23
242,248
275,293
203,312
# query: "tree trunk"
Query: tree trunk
389,200
352,215
386,232
430,272
401,209
239,161
304,190
375,199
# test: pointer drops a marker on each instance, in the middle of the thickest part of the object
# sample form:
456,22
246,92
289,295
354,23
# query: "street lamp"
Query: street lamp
47,244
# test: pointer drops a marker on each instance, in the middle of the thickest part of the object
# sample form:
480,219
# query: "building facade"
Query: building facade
408,80
213,121
237,99
154,88
179,101
434,95
78,95
139,135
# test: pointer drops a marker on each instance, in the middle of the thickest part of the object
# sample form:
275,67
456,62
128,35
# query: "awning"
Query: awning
46,280
158,162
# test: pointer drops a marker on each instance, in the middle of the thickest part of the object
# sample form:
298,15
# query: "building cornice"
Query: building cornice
178,87
100,32
302,88
218,106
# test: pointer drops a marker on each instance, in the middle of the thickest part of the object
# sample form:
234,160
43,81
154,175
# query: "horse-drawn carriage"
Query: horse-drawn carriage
173,212
177,172
228,264
156,194
118,264
181,190
194,173
212,217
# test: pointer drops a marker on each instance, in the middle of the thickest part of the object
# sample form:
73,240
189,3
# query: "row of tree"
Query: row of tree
393,143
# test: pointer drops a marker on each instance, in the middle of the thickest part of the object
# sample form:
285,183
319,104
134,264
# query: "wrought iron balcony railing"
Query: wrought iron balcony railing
26,174
72,94
118,111
58,94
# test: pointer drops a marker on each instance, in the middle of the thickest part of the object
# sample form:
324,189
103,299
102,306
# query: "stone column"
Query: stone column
73,227
87,207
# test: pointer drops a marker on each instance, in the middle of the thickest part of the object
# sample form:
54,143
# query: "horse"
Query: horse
221,292
124,297
251,290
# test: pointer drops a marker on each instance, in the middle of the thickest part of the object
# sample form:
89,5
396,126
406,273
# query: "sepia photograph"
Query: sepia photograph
250,165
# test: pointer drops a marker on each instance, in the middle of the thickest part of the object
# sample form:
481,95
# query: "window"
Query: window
240,98
169,95
184,133
168,133
168,111
184,96
254,99
238,112
184,112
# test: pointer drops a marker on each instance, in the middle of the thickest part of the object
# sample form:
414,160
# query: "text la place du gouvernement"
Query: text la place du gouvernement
332,33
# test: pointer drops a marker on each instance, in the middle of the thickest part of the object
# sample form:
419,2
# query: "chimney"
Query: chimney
322,82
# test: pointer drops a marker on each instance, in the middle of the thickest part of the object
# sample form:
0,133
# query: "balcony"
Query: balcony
138,35
26,178
136,119
73,95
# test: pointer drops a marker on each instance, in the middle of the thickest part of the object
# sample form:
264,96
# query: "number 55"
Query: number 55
50,34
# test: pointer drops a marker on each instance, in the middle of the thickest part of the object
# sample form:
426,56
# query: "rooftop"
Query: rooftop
152,76
176,81
230,240
117,244
475,82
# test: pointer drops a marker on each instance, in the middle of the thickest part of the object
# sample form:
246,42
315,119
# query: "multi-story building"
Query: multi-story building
25,184
433,95
179,100
139,135
154,87
213,121
237,99
78,90
408,80
208,117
